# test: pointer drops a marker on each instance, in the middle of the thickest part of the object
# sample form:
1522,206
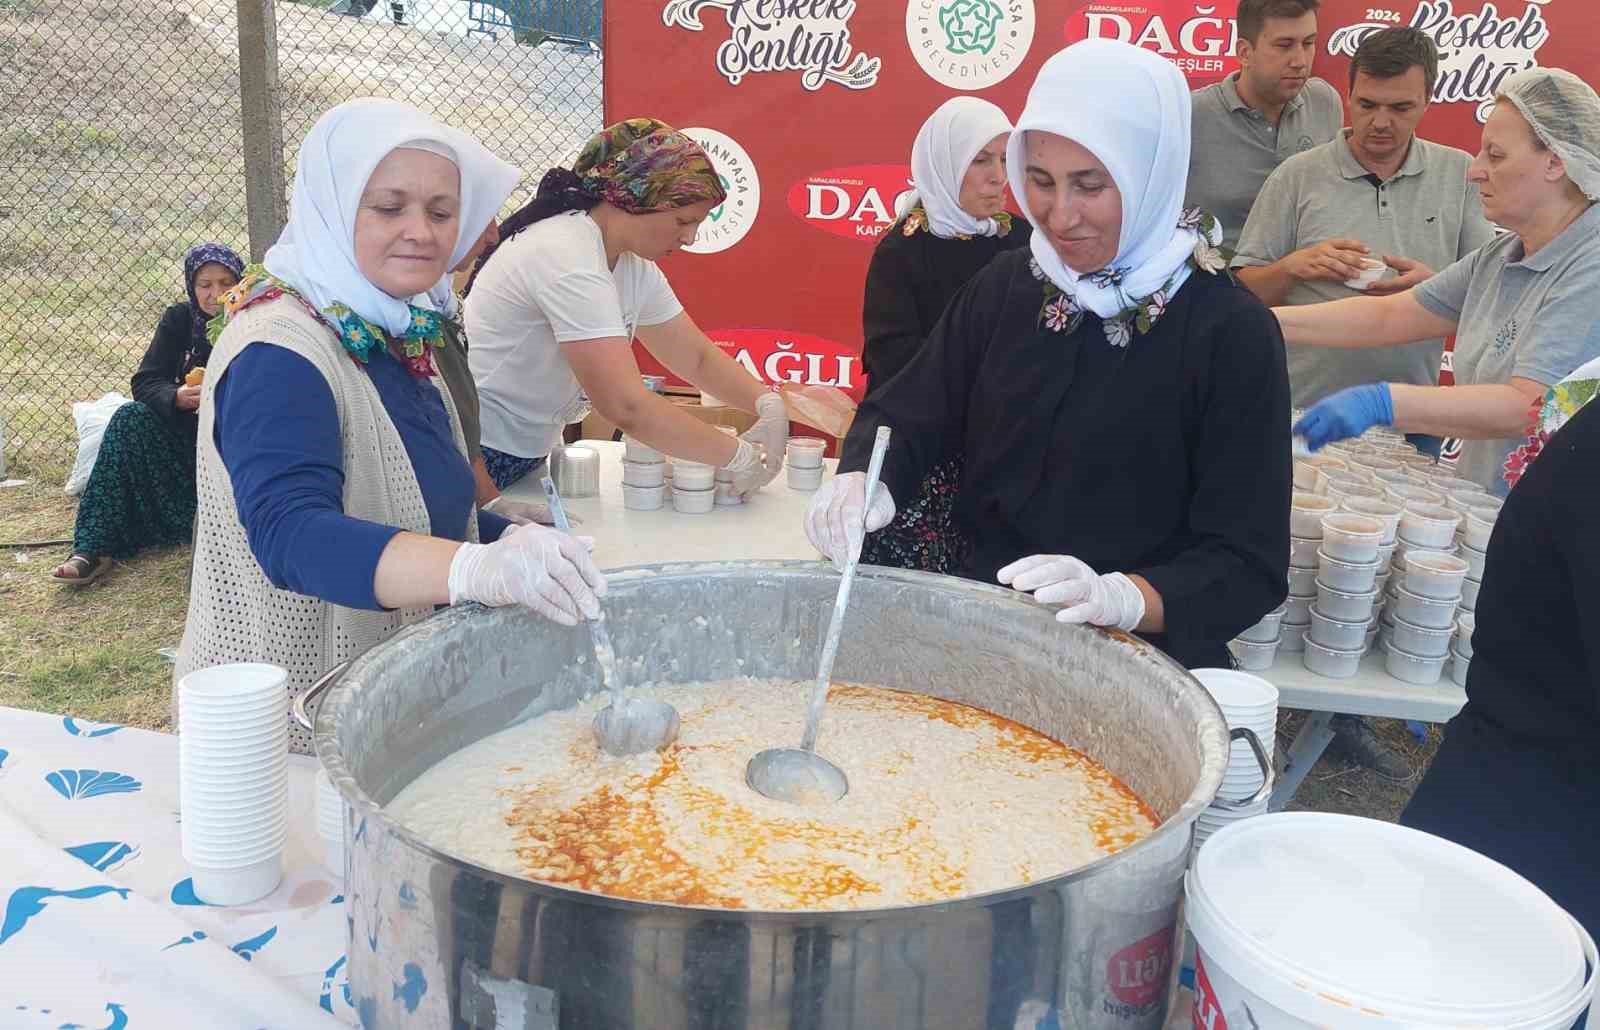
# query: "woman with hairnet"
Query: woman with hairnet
1522,307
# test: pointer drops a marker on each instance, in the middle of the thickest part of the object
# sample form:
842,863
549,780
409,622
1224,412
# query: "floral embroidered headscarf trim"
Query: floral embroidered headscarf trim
1548,414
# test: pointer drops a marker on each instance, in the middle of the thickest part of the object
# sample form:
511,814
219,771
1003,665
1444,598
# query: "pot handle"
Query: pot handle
309,694
1262,760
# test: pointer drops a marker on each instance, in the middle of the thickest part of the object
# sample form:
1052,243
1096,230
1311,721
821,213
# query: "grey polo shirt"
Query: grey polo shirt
1535,319
1427,211
1233,148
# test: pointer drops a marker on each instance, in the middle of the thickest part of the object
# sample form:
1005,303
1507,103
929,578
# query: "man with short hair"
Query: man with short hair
1270,109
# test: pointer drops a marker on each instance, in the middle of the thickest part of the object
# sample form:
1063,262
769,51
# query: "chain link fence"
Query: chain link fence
124,141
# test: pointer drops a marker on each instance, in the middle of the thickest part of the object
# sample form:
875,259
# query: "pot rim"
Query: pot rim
1212,722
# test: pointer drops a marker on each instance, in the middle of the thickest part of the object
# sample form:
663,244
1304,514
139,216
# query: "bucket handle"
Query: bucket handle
305,697
1267,773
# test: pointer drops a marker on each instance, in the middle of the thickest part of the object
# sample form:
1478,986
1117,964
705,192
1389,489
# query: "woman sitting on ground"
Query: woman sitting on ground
141,493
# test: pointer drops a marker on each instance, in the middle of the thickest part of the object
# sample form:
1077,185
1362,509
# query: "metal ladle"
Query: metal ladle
628,725
799,775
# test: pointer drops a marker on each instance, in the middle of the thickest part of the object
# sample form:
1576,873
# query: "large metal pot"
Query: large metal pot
437,941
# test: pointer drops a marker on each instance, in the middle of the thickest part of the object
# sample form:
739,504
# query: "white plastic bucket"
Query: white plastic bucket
1308,919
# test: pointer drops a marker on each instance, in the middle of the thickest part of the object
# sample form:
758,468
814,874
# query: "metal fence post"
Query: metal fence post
261,119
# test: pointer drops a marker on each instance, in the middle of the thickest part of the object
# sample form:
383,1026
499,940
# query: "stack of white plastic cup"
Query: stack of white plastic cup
1247,702
330,823
233,778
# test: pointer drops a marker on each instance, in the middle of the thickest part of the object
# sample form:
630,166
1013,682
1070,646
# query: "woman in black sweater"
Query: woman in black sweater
141,492
1122,407
953,225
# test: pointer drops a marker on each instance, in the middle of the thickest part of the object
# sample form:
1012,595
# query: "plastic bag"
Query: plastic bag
827,408
91,418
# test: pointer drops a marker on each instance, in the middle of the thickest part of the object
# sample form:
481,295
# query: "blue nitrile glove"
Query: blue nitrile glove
1348,413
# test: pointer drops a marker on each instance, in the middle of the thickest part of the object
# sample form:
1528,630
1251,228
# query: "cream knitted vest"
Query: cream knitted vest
235,613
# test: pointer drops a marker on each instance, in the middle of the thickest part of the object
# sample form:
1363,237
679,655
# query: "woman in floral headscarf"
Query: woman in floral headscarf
552,312
1517,777
141,492
1122,407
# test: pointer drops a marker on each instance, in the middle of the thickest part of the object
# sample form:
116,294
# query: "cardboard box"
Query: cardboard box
597,427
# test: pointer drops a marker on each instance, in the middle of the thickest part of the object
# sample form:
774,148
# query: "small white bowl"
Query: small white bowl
1427,612
1303,582
1371,271
643,473
638,450
1344,491
1349,537
1351,577
1305,477
1294,637
1460,664
693,502
1411,668
805,452
1429,525
1334,664
1344,605
1305,514
692,475
1297,609
1303,551
643,498
1267,630
1376,463
1421,641
1337,634
1466,622
1477,526
1252,656
1435,575
1407,494
1469,594
1387,513
804,478
1475,560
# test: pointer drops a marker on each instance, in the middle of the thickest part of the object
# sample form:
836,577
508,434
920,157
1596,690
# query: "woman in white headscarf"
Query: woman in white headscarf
1522,307
335,496
1121,406
950,225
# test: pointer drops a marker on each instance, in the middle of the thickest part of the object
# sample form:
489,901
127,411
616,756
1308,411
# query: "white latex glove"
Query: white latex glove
837,522
749,473
544,569
525,512
770,434
1109,600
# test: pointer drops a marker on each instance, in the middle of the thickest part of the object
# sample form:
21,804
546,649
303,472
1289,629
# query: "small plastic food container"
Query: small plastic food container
1385,557
1305,514
692,475
1303,582
1294,637
1420,641
1475,560
1435,575
1427,612
694,502
726,496
1388,477
1337,634
1387,513
1349,537
1253,657
643,473
1344,605
1334,664
1305,477
1297,609
1407,494
638,450
1469,593
1419,462
1477,526
1371,637
1411,668
1428,525
1460,664
1377,462
1371,271
805,452
1380,583
643,498
1303,551
804,478
1466,622
1267,630
1351,577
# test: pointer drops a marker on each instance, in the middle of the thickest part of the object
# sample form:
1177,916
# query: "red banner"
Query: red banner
809,107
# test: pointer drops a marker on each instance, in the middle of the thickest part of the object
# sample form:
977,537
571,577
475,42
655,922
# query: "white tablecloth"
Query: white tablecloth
100,926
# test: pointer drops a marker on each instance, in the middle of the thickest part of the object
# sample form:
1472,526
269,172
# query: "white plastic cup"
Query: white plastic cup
1306,512
805,452
643,498
1303,551
693,502
692,475
805,478
644,473
237,885
1372,270
1428,525
639,451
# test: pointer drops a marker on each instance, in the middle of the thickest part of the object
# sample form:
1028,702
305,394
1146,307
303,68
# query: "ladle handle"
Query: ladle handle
830,643
597,627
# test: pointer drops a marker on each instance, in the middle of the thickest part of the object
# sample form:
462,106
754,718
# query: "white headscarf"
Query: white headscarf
1130,108
943,150
316,251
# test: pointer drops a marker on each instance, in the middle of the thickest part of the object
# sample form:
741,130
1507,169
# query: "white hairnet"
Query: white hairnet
1565,114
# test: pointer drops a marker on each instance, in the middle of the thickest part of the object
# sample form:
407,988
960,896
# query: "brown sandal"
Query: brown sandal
87,569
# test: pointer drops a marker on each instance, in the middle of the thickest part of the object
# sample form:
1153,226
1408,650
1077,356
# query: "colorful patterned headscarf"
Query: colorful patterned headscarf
197,258
1554,410
642,166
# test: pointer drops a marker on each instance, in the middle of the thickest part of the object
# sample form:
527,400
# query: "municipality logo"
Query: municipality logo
969,44
727,223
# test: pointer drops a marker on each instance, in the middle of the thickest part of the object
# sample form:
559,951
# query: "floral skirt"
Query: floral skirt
141,493
924,535
505,469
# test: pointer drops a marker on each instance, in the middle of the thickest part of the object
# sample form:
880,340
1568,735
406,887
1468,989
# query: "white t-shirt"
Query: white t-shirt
546,286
